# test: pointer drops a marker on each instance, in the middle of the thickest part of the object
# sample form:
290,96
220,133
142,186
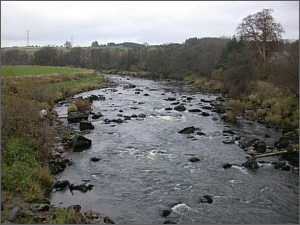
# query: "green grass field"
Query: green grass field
16,71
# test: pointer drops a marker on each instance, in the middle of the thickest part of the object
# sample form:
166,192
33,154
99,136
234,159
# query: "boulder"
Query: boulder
15,214
38,207
60,185
206,199
260,146
56,166
93,98
91,215
195,110
227,165
77,141
141,115
244,144
170,99
228,142
194,159
39,219
81,187
76,117
187,130
108,220
200,133
207,107
278,165
119,120
286,167
166,212
127,86
86,125
101,97
180,108
282,144
97,116
95,159
252,164
205,114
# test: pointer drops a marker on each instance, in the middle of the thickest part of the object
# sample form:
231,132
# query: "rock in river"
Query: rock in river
77,142
187,130
180,108
206,199
252,164
194,159
76,117
86,125
227,165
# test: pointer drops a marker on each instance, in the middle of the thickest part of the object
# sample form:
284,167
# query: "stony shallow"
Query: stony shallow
154,159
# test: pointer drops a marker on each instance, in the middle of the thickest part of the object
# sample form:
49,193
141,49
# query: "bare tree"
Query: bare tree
260,28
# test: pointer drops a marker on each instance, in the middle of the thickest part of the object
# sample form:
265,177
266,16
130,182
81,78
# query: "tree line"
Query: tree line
257,52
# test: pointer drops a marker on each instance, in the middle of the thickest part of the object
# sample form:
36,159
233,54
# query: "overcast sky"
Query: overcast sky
154,22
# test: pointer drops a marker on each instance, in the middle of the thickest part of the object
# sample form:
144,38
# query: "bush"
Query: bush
231,116
276,119
83,105
72,108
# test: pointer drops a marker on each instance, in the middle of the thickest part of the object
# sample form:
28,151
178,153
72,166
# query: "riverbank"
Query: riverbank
27,134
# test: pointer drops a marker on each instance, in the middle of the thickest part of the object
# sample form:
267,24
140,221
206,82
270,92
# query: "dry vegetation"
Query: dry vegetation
26,137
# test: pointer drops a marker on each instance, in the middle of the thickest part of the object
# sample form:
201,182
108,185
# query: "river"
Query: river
144,165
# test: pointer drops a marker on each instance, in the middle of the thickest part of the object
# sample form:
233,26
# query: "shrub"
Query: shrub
276,119
72,108
83,105
231,116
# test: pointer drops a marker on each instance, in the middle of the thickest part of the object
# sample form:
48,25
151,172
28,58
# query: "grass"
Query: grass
21,172
16,71
62,216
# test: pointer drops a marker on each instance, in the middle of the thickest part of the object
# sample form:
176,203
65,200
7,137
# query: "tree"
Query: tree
46,56
95,44
260,29
68,45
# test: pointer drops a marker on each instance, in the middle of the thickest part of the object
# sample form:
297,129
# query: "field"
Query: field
15,71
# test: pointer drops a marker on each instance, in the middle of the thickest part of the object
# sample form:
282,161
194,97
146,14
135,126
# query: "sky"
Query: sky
152,22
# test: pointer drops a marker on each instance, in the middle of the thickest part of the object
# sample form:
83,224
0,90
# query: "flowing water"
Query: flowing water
145,168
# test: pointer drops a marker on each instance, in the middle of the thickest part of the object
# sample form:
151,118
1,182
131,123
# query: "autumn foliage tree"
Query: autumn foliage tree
261,29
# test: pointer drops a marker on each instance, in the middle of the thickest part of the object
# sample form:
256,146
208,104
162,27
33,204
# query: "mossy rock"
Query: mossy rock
76,117
77,141
282,144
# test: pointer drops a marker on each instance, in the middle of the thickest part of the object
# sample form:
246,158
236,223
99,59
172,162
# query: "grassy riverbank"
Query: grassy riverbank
264,102
26,138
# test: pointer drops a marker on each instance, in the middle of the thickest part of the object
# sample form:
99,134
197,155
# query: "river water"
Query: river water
144,165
